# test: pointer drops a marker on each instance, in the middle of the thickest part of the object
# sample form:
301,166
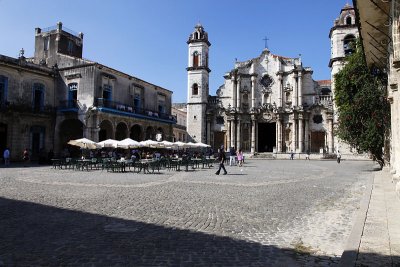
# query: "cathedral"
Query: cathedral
269,103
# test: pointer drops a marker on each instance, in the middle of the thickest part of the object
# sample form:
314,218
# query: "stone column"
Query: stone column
238,135
295,89
253,135
300,88
234,91
294,136
233,136
279,135
253,89
208,131
280,95
330,135
228,132
307,133
238,84
301,134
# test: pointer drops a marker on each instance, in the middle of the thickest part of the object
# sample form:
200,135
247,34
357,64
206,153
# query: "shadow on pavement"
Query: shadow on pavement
38,235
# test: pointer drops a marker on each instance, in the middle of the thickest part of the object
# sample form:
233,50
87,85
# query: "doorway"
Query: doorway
266,137
317,141
3,137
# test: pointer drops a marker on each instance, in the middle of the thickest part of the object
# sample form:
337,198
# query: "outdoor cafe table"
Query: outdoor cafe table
124,163
144,165
81,164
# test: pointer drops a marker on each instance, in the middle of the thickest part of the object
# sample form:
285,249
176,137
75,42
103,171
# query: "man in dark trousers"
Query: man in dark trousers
221,159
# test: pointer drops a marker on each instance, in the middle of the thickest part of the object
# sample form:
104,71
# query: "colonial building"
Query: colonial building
58,95
380,31
267,104
180,113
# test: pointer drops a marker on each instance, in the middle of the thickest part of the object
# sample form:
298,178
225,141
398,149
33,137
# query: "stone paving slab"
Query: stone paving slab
380,240
268,213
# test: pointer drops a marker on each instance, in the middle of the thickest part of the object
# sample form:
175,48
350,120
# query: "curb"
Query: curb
350,253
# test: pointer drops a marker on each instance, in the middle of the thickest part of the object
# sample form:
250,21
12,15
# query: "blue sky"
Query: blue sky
147,38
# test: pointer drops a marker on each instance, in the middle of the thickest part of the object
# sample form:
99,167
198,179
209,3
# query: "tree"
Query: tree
363,108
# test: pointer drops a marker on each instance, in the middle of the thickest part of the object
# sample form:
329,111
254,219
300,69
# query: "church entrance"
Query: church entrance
266,137
317,141
219,140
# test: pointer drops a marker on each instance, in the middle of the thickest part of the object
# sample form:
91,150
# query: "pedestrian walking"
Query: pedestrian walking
232,155
221,159
338,156
6,156
291,155
25,157
308,155
240,158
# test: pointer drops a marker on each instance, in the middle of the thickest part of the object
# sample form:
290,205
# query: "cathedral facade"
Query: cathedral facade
267,104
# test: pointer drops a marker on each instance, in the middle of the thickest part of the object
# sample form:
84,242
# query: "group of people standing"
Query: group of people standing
235,158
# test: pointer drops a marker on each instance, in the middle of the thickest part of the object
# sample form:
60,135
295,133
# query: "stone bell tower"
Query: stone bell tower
198,79
342,35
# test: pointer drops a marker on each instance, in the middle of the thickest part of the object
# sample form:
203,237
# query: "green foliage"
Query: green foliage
363,109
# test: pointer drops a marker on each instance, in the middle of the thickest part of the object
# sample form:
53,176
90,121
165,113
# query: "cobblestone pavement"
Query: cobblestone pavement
267,213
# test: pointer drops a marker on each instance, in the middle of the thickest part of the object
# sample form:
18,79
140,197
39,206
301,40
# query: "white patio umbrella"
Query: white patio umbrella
83,143
168,145
150,143
128,143
192,145
180,144
202,145
107,143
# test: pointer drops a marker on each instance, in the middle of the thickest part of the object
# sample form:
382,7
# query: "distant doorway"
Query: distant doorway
317,141
266,137
219,140
3,137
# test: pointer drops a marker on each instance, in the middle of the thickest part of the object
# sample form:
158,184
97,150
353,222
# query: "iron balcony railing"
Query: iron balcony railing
118,106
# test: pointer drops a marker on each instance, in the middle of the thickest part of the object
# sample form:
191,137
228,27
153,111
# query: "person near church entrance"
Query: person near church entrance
291,155
240,158
6,156
221,159
232,155
338,156
308,155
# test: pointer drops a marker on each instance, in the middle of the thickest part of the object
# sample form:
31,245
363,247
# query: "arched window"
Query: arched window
348,44
195,59
38,97
195,89
196,35
348,20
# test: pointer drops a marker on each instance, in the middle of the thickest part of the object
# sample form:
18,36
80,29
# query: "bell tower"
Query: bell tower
198,79
342,35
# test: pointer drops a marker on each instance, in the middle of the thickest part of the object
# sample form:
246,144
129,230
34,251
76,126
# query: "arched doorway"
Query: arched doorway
136,133
106,130
266,136
37,133
317,141
121,131
70,129
149,133
3,137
